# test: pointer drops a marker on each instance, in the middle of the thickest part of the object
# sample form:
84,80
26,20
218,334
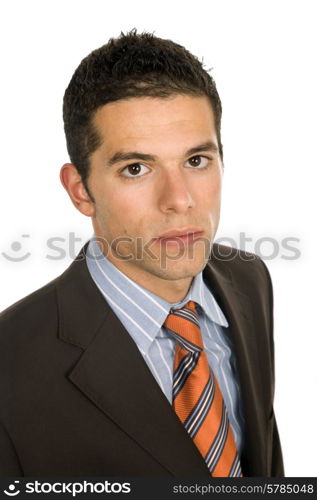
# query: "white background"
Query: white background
263,58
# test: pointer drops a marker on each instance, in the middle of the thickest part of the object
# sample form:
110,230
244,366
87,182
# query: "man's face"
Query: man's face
156,182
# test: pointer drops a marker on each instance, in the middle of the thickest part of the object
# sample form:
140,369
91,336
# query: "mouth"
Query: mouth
177,237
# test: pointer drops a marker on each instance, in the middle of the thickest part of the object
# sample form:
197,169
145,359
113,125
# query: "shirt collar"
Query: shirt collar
127,298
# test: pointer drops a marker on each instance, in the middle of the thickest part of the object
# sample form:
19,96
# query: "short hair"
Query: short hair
132,65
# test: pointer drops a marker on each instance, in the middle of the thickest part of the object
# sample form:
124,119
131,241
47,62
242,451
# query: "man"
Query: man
152,354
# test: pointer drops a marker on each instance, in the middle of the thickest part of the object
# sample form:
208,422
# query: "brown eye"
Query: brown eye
134,170
197,161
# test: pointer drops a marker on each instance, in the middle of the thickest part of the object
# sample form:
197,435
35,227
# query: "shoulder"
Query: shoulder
244,272
41,305
243,269
30,313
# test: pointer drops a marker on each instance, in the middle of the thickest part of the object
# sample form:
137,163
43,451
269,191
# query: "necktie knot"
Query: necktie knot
183,324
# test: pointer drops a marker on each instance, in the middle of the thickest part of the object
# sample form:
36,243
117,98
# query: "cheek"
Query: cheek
121,213
209,193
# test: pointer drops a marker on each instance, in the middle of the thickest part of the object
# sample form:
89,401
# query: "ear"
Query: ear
72,182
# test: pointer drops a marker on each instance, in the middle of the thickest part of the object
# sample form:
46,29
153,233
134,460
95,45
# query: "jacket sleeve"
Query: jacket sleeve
9,463
276,457
277,468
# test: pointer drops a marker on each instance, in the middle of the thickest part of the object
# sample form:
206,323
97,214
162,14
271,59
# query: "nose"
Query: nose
174,195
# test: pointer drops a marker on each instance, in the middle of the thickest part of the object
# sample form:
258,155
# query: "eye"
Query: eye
198,161
134,170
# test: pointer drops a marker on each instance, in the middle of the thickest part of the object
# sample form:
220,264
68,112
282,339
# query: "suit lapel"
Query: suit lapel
236,307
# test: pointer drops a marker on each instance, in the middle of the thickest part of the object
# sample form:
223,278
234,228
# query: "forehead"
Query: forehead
155,120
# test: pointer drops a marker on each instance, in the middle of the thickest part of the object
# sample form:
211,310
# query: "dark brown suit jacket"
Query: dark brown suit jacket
77,398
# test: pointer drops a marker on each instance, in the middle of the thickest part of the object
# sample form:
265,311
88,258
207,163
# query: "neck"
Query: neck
170,290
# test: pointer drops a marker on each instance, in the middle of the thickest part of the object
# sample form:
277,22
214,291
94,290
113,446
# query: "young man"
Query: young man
152,354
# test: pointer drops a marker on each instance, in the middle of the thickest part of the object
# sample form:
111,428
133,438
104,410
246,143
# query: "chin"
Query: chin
179,270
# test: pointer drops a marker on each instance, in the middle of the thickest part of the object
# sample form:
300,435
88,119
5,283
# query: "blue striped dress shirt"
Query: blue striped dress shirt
143,313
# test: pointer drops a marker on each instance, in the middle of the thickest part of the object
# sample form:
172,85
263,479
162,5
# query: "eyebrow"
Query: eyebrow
120,156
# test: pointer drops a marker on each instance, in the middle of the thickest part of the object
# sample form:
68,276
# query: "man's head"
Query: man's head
132,65
142,121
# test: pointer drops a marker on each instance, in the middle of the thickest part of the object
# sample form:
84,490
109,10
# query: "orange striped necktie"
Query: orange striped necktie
197,399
